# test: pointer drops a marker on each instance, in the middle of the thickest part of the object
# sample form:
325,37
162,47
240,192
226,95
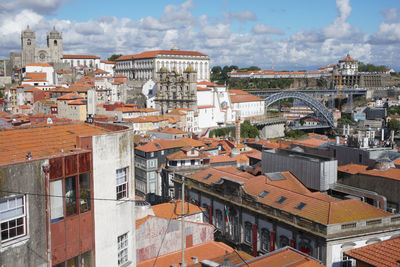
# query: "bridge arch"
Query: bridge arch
308,100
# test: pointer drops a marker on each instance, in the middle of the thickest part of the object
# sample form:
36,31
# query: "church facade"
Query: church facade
176,90
31,53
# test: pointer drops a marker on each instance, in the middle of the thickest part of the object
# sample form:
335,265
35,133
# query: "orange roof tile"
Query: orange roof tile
324,210
70,96
39,65
153,54
385,253
206,83
239,96
203,251
36,75
80,57
286,256
203,89
206,106
42,141
172,210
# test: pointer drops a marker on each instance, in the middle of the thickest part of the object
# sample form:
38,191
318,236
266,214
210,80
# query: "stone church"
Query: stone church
176,90
31,53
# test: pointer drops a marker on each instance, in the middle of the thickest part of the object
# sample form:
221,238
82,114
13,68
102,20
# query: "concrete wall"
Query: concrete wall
272,131
29,250
113,218
312,172
150,235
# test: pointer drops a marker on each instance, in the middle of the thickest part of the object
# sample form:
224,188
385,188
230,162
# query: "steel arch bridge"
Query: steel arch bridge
315,105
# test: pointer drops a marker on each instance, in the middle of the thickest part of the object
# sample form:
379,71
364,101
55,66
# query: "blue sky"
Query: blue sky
286,34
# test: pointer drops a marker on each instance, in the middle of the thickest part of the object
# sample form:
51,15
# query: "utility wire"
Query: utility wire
48,195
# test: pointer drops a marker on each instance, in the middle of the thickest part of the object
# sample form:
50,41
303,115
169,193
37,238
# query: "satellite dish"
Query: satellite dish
49,121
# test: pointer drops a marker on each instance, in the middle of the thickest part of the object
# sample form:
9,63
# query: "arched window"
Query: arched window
265,239
305,246
283,241
55,42
28,42
248,227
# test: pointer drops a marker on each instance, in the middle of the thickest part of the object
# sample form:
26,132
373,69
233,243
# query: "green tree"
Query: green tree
248,131
114,57
253,68
394,125
370,68
216,70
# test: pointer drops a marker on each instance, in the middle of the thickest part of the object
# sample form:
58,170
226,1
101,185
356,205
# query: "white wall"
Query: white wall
112,218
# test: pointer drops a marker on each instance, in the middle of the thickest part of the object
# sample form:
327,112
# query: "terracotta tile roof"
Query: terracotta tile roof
39,65
171,131
70,96
127,57
393,173
255,154
36,75
385,253
206,83
203,251
206,106
80,57
324,210
286,256
107,61
42,141
192,142
173,210
34,89
78,102
239,96
203,89
153,54
220,158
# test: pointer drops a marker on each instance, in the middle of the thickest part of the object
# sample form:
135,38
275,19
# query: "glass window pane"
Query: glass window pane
84,192
70,195
86,259
73,262
56,201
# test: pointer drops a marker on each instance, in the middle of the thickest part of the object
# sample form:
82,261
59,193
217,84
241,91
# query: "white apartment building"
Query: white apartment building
85,60
246,105
144,66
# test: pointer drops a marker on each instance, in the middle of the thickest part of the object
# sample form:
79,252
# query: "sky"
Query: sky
280,35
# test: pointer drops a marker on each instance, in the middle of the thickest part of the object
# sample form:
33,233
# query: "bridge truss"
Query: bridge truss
318,107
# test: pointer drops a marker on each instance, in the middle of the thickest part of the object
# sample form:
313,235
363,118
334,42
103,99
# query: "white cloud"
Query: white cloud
214,36
242,16
264,29
390,15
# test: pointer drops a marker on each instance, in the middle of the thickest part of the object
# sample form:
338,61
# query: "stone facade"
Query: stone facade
176,90
31,53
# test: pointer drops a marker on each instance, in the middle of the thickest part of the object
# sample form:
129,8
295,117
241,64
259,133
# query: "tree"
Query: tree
253,68
114,57
248,131
370,68
216,70
394,125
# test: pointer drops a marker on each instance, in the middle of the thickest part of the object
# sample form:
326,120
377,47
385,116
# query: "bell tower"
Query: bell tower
55,45
28,45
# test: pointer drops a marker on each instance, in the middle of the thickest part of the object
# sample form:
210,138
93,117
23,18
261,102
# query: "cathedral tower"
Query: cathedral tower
55,45
28,45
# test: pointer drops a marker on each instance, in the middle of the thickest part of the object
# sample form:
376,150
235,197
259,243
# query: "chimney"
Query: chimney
237,137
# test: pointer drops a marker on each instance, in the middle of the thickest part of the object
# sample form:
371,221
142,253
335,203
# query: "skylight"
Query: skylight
157,145
281,200
263,193
300,206
208,176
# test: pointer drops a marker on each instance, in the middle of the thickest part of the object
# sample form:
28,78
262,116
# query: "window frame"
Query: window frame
15,218
121,188
248,232
123,246
265,240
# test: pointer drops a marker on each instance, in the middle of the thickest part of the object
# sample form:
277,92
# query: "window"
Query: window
70,195
218,219
265,239
281,200
84,192
122,183
122,249
283,241
247,232
28,42
12,218
56,201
